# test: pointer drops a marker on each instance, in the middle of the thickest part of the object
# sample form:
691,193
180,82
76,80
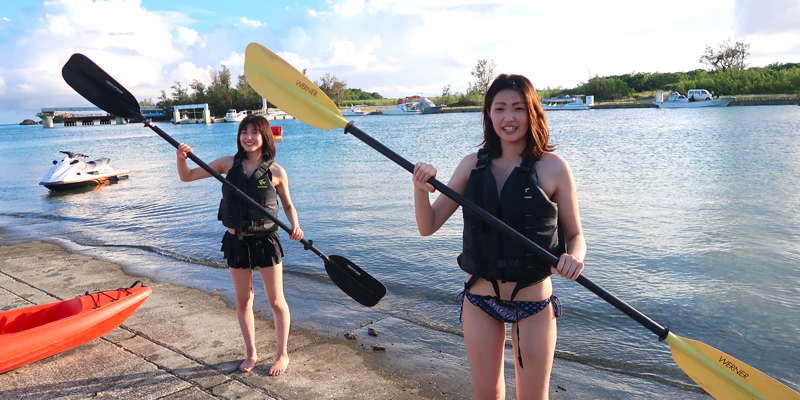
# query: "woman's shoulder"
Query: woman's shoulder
222,164
277,170
471,159
552,159
553,163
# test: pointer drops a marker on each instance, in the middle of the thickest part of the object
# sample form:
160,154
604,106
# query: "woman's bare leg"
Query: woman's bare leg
243,284
485,339
538,334
273,286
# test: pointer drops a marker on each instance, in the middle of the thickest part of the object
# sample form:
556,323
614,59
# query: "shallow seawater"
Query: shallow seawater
691,216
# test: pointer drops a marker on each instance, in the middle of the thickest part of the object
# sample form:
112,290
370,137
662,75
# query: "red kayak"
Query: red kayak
33,333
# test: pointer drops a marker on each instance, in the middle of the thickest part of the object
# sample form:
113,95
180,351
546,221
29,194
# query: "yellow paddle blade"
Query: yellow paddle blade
281,84
723,376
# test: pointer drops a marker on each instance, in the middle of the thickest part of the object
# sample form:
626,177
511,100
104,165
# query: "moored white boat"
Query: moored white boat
352,111
400,109
677,100
566,103
233,116
426,106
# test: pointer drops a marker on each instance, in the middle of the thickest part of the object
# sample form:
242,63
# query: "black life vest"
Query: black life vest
240,215
523,206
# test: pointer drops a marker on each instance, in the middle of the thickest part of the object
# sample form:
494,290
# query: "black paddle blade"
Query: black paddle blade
95,85
356,283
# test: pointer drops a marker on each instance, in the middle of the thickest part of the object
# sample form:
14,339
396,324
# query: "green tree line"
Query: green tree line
775,78
221,95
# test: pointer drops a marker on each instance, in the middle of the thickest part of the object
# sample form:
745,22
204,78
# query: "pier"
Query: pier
182,114
48,113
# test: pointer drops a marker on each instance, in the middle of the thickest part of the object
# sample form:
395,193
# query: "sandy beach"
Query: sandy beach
185,343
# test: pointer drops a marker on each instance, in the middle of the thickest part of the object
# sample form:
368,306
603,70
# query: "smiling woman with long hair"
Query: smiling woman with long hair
517,177
251,240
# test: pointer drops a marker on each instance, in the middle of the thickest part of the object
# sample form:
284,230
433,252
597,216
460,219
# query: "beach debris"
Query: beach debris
561,387
372,332
351,336
376,347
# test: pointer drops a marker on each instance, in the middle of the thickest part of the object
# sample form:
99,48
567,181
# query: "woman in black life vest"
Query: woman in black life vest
252,240
516,177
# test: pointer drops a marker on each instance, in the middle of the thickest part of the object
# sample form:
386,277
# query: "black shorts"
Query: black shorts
252,251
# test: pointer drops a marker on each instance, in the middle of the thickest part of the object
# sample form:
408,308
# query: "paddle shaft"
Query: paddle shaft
306,244
495,223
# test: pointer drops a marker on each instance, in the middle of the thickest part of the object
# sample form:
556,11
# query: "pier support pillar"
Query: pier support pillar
207,115
121,121
176,115
47,119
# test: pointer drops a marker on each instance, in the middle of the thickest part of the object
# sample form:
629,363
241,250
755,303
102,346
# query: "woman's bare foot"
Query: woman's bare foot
279,367
248,364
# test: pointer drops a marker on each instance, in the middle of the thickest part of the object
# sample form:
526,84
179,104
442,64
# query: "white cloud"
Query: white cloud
250,23
349,8
389,46
295,60
756,17
186,72
186,36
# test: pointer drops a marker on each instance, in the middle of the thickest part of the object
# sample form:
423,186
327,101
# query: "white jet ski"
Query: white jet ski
74,171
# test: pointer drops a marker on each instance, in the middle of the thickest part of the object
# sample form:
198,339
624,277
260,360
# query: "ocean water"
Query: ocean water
692,216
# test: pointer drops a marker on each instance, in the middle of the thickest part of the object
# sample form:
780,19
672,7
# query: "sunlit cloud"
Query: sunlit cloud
249,23
186,36
385,46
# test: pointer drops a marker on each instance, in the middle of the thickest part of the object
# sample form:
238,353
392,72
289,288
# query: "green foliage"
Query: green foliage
356,95
333,87
369,102
605,89
484,75
219,95
773,79
728,55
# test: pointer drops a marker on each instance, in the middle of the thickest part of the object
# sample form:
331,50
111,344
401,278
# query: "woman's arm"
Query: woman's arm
221,165
431,217
281,182
565,195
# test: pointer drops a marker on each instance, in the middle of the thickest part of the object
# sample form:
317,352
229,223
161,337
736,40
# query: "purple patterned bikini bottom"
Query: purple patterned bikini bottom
507,310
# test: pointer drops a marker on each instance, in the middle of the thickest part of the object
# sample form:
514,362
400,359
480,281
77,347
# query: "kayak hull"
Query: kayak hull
33,333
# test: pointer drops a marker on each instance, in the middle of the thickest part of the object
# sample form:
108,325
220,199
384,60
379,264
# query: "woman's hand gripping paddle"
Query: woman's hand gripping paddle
719,374
94,84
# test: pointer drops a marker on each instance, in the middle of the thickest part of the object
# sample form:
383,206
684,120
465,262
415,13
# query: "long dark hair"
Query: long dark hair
262,126
538,135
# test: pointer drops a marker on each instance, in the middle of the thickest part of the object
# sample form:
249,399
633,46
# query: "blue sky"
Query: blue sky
394,47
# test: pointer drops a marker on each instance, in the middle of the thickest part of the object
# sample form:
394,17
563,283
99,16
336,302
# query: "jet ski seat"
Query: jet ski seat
97,165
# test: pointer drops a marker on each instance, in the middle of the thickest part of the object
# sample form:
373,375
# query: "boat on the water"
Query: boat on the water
400,109
677,100
33,333
233,116
426,106
566,103
352,111
73,171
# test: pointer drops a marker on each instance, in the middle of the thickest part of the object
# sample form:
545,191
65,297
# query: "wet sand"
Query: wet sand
186,343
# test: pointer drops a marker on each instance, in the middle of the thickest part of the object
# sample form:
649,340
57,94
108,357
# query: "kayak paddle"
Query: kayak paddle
94,84
721,375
